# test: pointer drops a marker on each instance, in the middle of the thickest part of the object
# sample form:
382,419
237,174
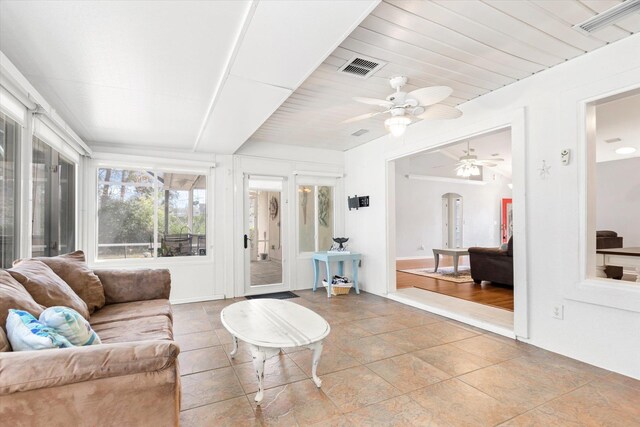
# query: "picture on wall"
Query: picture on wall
506,227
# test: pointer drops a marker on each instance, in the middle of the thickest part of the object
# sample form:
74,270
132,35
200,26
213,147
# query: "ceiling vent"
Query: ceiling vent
360,132
612,140
608,17
361,66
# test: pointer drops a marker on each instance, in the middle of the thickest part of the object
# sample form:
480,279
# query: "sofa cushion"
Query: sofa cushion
135,285
70,324
14,295
131,310
46,287
141,329
4,342
25,332
72,268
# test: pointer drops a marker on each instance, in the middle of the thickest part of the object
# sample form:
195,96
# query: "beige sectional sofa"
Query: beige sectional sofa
131,379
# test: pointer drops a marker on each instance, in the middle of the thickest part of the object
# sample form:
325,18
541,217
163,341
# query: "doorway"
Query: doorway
264,246
432,190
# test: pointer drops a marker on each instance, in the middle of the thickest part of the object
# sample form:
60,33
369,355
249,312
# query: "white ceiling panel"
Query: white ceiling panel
306,29
127,72
243,106
472,46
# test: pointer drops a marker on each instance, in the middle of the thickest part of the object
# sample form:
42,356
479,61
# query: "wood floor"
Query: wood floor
485,293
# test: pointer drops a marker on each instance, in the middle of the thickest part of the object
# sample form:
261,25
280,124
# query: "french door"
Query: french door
53,202
264,239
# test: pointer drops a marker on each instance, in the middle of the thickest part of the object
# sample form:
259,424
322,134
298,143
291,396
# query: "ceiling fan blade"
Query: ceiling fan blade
492,160
374,101
362,117
489,165
430,95
440,112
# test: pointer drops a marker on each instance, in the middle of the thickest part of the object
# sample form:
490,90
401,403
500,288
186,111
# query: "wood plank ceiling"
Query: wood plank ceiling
473,46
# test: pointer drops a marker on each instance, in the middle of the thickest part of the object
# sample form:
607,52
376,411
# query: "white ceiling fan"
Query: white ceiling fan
469,164
420,103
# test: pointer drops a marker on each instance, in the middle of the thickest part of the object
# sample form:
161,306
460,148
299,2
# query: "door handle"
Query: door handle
246,241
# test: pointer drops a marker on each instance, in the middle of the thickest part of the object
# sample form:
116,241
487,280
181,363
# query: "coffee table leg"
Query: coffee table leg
235,348
436,257
455,263
317,352
259,357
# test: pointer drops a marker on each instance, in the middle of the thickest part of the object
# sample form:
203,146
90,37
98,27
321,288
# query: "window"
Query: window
9,137
315,217
53,202
145,214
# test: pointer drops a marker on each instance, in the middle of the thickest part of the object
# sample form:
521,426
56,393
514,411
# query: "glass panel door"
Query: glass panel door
53,202
264,238
9,137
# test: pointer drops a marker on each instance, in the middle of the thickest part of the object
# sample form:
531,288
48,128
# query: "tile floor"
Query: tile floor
385,363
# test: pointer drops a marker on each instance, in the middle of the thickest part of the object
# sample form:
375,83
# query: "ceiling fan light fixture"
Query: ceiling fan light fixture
397,125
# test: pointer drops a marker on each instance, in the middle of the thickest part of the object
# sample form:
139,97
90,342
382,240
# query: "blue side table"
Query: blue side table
328,258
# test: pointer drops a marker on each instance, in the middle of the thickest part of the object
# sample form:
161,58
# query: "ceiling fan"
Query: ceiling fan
403,107
469,164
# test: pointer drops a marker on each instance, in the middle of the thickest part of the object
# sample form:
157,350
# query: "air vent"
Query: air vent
361,66
608,17
360,132
612,140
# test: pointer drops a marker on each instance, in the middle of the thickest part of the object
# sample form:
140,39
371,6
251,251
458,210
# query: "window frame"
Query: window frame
17,174
317,182
589,288
155,168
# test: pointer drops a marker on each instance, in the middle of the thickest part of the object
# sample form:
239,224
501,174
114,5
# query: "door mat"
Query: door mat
444,273
275,295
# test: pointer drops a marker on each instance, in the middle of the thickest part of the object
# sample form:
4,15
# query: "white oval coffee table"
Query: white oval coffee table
269,325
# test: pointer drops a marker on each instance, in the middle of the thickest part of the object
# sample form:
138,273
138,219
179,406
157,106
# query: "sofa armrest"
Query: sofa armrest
30,370
135,285
488,251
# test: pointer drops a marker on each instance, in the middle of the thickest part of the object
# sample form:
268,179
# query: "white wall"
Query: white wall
419,213
618,199
595,333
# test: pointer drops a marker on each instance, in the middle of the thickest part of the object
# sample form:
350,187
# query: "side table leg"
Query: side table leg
355,275
436,257
317,352
259,357
235,348
329,279
316,267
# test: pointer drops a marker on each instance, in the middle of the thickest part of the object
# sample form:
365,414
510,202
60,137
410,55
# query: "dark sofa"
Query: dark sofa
607,239
492,264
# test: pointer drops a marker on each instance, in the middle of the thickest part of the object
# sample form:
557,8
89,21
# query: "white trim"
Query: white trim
318,174
12,107
49,136
488,326
516,121
139,162
444,179
196,299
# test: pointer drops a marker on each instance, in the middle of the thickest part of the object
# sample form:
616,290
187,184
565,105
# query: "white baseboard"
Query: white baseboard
406,258
196,299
